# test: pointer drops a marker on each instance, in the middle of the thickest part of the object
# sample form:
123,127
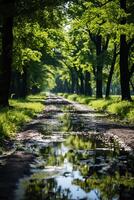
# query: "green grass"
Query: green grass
122,110
12,119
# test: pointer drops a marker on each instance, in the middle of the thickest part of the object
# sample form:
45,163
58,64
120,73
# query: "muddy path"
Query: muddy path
69,152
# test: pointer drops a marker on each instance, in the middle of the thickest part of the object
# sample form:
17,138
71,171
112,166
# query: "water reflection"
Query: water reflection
82,166
79,169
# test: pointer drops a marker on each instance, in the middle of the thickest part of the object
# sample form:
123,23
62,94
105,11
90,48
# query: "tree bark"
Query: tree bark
98,68
88,89
124,71
111,72
15,88
72,80
81,77
76,81
6,60
124,54
100,50
24,91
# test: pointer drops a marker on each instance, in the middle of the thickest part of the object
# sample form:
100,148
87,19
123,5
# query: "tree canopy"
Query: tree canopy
83,47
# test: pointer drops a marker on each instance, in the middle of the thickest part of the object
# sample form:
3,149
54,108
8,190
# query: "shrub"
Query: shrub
130,116
121,108
65,95
73,97
83,99
100,104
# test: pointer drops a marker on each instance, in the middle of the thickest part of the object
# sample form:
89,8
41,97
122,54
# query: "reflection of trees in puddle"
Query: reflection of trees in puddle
77,120
117,162
71,122
53,154
61,123
110,187
85,150
78,142
44,189
100,169
66,123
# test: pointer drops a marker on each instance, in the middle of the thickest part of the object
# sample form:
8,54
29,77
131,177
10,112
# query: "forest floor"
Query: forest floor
59,116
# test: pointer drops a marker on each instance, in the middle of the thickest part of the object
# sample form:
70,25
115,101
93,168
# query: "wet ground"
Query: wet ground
69,152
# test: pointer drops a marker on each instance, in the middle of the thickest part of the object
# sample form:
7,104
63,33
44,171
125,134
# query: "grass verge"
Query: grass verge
11,120
122,110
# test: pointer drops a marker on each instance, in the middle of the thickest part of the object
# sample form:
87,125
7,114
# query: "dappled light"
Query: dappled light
71,155
76,164
66,100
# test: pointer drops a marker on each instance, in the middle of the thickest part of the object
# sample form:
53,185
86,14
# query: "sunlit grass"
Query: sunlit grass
12,119
124,110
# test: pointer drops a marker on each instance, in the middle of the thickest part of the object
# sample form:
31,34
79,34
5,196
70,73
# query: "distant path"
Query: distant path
16,165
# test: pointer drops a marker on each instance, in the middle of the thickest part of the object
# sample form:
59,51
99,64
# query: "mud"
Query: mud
57,155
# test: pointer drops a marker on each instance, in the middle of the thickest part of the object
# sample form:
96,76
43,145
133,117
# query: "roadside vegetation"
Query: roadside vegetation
81,47
21,111
122,110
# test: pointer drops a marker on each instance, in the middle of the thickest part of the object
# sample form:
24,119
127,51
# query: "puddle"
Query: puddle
74,161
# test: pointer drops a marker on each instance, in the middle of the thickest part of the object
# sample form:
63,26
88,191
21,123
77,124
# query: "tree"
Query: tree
9,10
124,54
111,71
6,57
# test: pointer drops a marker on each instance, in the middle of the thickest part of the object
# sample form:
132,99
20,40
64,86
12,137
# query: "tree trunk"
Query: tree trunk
88,90
124,53
111,73
99,68
15,88
76,82
81,76
72,80
24,90
6,60
132,85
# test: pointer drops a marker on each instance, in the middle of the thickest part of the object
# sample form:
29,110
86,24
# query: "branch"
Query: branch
93,38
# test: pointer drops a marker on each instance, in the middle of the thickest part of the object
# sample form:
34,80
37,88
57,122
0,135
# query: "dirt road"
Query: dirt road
66,153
